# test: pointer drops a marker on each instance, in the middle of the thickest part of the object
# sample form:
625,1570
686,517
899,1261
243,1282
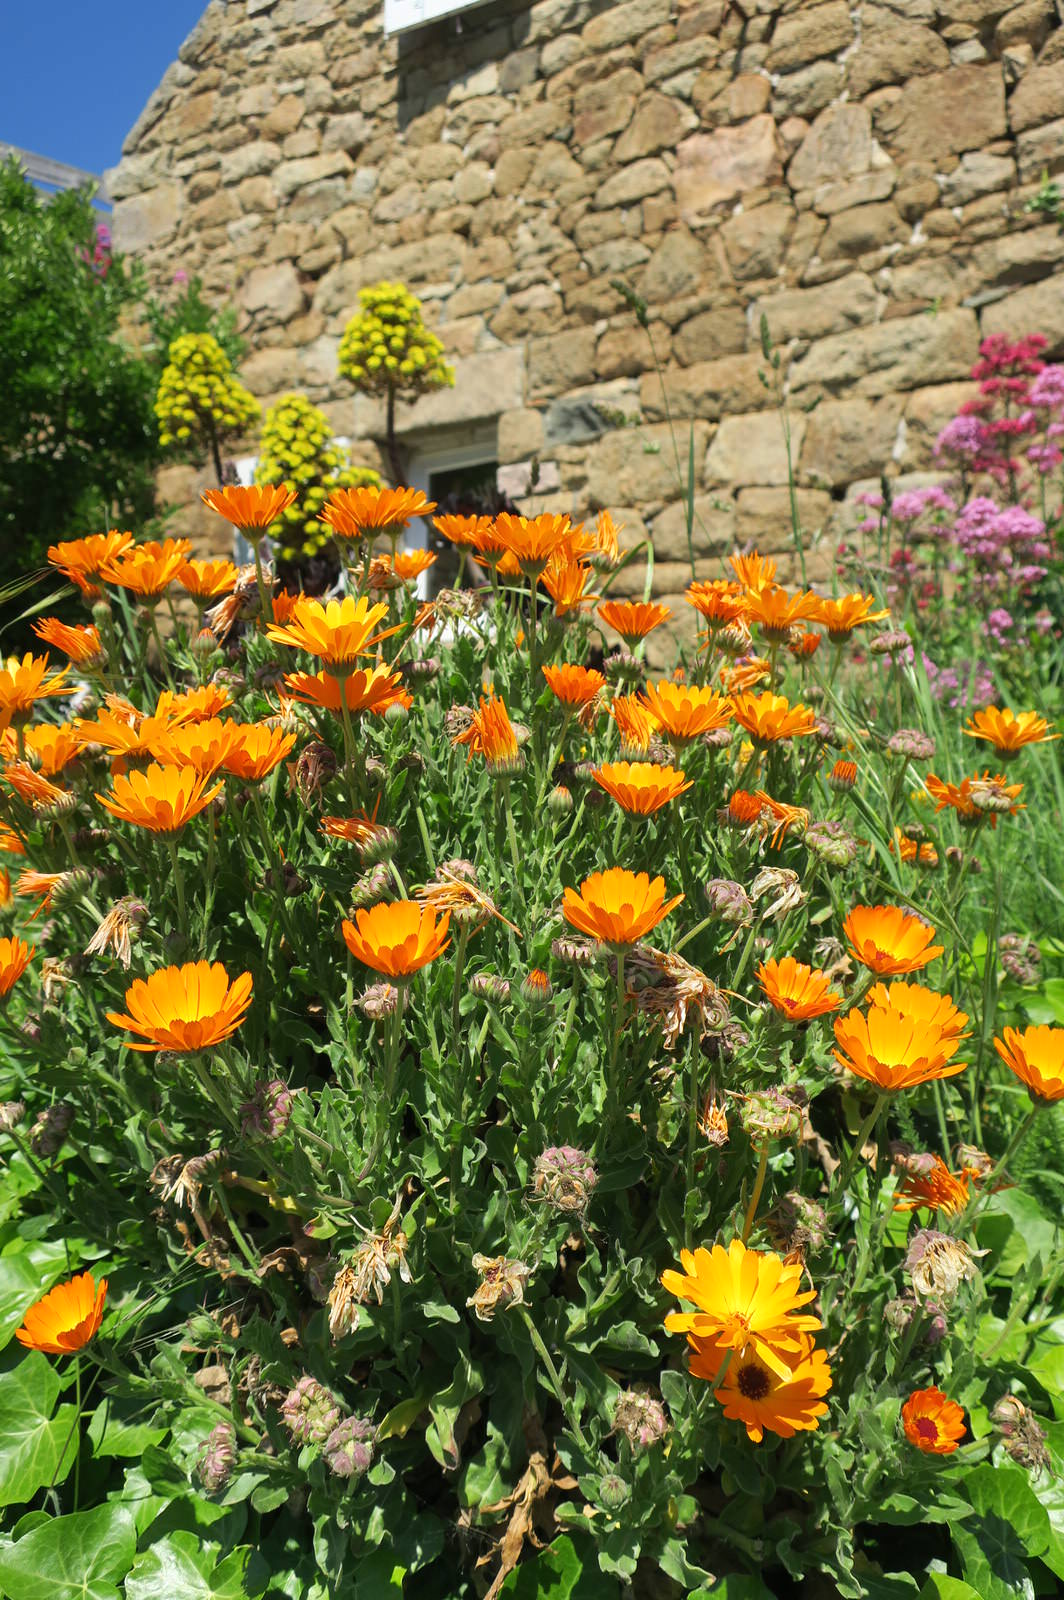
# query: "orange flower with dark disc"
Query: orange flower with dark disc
761,1398
365,689
890,941
532,540
337,632
66,1318
633,619
371,513
891,1050
206,580
574,686
1007,732
148,570
640,787
397,938
15,957
82,560
796,991
769,717
718,602
776,612
161,799
1036,1056
184,1009
932,1422
257,751
23,683
840,617
937,1189
685,711
80,643
251,509
491,734
618,907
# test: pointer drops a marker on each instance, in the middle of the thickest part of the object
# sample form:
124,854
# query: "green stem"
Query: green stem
612,1095
693,1093
456,998
845,1171
179,883
511,830
163,659
1011,1148
755,1198
555,1381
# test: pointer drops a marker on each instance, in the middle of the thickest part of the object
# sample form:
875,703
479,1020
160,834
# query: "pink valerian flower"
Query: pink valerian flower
1045,458
998,627
962,685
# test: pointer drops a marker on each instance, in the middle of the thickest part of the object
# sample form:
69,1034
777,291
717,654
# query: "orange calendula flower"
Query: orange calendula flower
607,551
890,941
257,751
81,560
633,722
161,799
932,1422
81,644
193,705
924,854
840,617
410,564
1036,1056
923,1006
753,571
15,957
365,689
203,746
398,937
975,800
744,675
39,885
796,991
184,1009
761,1398
283,605
633,619
937,1190
66,1318
617,906
770,717
462,531
32,787
567,584
148,570
1007,732
23,683
491,735
532,540
360,829
366,513
804,646
251,509
719,601
206,580
53,745
894,1051
640,787
574,686
684,711
746,1301
843,776
10,843
776,612
337,632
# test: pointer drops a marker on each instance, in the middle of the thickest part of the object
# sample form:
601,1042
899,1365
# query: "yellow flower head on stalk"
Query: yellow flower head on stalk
370,513
633,619
23,683
203,746
81,644
387,347
618,907
10,843
922,1006
760,1397
53,746
893,1050
889,940
796,991
574,686
15,957
82,560
840,617
337,632
640,787
193,705
397,938
1007,732
199,397
755,572
684,712
161,799
1036,1056
66,1318
607,547
250,509
746,1300
257,751
532,540
364,689
718,602
184,1009
298,449
770,717
462,531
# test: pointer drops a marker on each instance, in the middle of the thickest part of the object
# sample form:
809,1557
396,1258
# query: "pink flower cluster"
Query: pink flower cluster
99,261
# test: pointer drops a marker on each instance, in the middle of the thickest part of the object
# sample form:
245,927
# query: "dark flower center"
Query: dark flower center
927,1429
753,1381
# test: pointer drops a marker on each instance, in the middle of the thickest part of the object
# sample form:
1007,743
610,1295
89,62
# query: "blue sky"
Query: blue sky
77,75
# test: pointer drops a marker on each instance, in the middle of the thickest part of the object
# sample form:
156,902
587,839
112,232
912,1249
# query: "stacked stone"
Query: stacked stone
857,172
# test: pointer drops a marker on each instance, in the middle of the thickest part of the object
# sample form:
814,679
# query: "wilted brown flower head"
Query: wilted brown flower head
181,1181
50,1128
502,1284
1025,1438
11,1114
315,768
666,988
118,929
938,1264
565,1177
640,1417
798,1226
781,888
369,1272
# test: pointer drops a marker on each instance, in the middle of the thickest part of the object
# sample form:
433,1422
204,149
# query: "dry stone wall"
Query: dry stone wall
857,172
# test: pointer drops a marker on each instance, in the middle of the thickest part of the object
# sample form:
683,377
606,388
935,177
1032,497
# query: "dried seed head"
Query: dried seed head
380,1000
641,1418
267,1114
486,986
458,720
575,952
973,1162
729,901
891,643
770,1114
831,842
11,1114
373,886
718,738
50,1128
422,670
913,743
348,1450
1020,957
217,1458
798,1225
938,1264
726,1042
990,795
1026,1440
316,767
781,888
310,1412
565,1177
502,1284
623,667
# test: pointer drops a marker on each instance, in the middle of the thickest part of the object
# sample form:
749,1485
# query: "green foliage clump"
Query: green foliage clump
200,400
297,449
386,347
190,313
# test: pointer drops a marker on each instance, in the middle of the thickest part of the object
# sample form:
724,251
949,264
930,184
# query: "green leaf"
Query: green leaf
182,1565
36,1448
566,1570
1008,1528
940,1587
111,1434
379,1577
79,1557
1047,1006
741,1587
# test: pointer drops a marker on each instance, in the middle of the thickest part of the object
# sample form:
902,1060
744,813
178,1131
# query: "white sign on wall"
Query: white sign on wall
402,15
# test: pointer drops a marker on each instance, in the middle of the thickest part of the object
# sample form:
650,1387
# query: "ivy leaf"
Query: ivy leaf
940,1587
1008,1528
36,1448
80,1557
566,1570
181,1564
